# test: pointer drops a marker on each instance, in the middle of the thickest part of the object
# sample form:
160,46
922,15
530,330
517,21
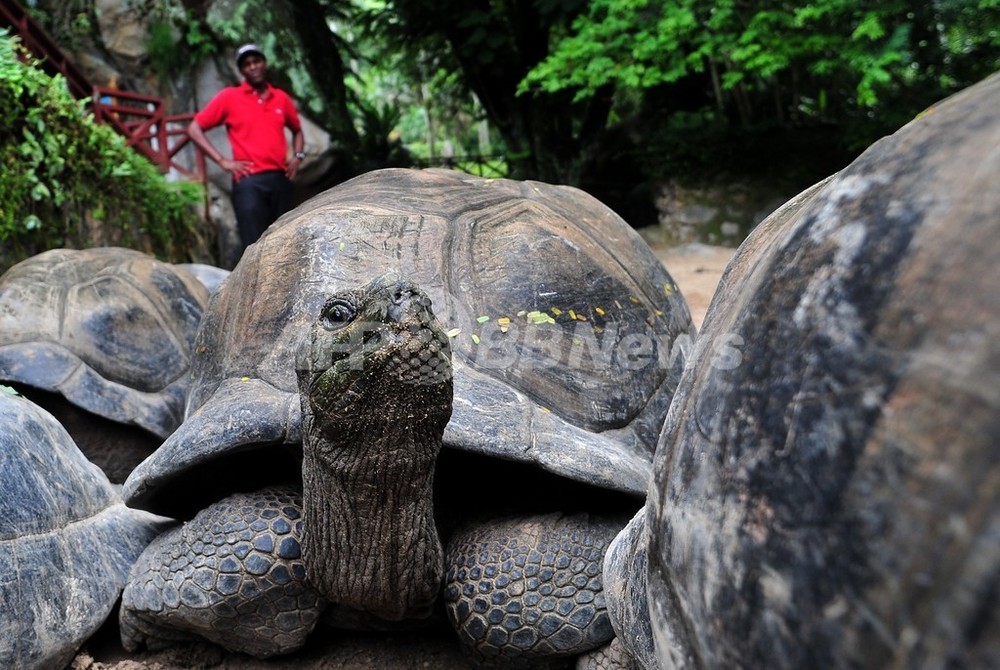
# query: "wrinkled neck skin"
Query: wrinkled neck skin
369,538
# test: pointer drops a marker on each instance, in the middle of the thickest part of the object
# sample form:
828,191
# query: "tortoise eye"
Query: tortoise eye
337,314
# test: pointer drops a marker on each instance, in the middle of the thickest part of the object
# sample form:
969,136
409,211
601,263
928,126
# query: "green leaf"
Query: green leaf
870,28
40,192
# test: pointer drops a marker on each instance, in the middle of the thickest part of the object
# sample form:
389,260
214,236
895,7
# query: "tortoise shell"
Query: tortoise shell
826,486
568,333
109,328
67,540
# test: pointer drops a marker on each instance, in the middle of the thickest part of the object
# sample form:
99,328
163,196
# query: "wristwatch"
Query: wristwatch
301,155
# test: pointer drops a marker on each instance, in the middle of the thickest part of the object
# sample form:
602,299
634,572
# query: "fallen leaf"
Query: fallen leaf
537,317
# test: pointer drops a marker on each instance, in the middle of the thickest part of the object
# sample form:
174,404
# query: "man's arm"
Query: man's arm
197,135
298,144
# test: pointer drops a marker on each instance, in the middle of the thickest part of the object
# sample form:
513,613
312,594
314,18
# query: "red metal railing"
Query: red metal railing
139,118
158,136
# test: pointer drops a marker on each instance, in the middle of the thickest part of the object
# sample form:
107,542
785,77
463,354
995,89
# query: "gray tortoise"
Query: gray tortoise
102,338
210,276
67,540
567,337
827,485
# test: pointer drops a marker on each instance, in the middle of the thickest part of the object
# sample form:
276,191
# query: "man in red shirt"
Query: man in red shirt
256,115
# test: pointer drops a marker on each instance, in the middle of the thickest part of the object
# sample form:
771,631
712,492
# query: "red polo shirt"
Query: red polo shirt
256,125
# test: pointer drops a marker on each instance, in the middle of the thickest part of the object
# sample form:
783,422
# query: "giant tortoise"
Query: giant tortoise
567,337
827,485
67,540
102,339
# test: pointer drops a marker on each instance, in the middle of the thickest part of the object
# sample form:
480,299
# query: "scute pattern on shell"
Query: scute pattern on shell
568,333
109,328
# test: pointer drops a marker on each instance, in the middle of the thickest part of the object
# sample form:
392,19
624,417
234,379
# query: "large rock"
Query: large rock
124,28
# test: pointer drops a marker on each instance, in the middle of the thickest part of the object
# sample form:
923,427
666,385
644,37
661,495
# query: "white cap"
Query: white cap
248,49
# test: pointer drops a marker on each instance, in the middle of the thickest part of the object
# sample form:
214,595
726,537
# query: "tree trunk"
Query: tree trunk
326,67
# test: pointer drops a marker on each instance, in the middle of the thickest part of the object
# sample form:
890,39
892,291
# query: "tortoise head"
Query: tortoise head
380,342
376,393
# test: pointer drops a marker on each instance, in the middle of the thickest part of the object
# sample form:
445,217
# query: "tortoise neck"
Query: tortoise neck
369,539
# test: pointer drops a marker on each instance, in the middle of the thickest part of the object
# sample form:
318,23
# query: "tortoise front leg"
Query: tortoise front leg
232,575
526,591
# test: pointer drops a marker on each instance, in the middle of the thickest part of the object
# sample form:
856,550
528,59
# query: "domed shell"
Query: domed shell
67,540
826,486
210,276
109,328
568,333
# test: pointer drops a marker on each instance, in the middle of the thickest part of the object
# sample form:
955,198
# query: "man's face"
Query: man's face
254,69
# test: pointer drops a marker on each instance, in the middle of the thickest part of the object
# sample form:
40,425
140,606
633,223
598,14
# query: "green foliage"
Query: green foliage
69,22
64,179
387,75
485,48
435,108
644,43
380,143
177,44
594,92
865,64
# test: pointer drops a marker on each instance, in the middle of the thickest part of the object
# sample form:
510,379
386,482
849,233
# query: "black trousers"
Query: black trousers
258,200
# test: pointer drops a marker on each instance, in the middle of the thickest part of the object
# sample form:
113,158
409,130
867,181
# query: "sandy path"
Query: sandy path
696,268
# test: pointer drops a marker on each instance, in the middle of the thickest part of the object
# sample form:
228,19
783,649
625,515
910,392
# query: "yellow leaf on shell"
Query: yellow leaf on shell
537,317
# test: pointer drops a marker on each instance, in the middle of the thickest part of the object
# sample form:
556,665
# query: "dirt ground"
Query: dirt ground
695,267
